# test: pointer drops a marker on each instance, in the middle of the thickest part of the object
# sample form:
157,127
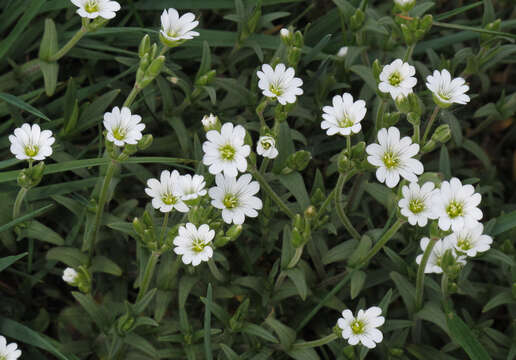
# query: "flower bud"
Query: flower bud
210,122
442,134
37,173
206,79
286,36
390,119
83,279
138,226
404,5
310,212
297,239
234,232
343,51
426,23
429,146
125,323
294,54
147,220
299,160
298,222
408,34
145,142
357,20
152,71
344,163
144,46
377,70
318,197
299,40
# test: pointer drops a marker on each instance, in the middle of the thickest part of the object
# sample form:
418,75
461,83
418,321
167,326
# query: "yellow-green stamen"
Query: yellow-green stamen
230,201
276,89
91,6
395,78
30,151
357,326
345,122
416,205
227,152
169,199
119,133
198,245
464,244
390,159
455,209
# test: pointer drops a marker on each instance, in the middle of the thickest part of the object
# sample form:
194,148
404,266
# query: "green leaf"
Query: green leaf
366,74
69,256
25,217
142,304
17,331
476,150
98,313
505,297
228,352
340,252
444,162
357,283
37,230
103,264
7,261
79,164
303,354
406,289
257,330
140,343
13,100
425,352
286,335
49,44
297,276
205,65
295,184
504,223
461,334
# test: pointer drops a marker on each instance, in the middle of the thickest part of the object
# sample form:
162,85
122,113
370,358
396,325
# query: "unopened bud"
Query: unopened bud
343,51
234,232
442,134
377,69
207,78
138,226
357,20
144,46
297,239
145,142
404,5
310,212
299,160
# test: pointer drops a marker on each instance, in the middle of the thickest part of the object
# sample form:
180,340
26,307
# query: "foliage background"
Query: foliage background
249,316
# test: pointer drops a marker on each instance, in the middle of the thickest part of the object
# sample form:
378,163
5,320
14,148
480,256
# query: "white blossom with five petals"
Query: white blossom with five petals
279,83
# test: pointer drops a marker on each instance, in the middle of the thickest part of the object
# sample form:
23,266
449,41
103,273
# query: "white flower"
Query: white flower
284,33
122,127
191,187
393,157
363,327
456,205
397,79
235,198
344,116
470,240
343,51
194,243
70,275
433,264
174,29
445,90
93,8
405,5
8,352
209,122
166,193
416,203
31,143
225,150
279,83
266,147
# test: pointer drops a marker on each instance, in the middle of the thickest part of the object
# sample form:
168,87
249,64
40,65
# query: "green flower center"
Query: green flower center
30,150
345,122
276,89
266,145
198,245
169,199
455,209
227,152
390,159
230,201
2,357
91,7
357,326
464,244
172,33
395,78
416,205
445,95
119,133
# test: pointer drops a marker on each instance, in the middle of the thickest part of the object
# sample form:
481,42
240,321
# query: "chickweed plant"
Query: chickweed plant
270,179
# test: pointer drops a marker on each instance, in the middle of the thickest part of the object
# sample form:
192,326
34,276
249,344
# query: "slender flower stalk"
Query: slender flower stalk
148,273
69,45
430,124
383,240
163,232
132,95
420,280
315,343
18,202
338,205
92,238
275,197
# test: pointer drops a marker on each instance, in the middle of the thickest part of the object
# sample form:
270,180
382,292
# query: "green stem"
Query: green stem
18,202
132,95
430,123
383,240
275,197
263,165
379,114
323,207
295,259
315,343
148,273
348,145
420,280
100,207
444,286
408,53
338,205
416,137
70,44
163,51
163,230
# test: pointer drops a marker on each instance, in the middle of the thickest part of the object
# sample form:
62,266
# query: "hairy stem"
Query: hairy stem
275,197
338,205
420,280
132,95
315,343
148,273
69,45
430,124
18,202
